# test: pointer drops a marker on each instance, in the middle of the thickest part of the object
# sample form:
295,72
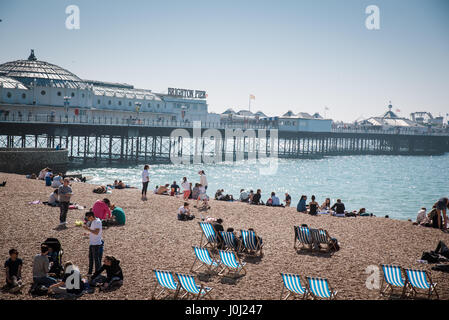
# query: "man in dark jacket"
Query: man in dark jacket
114,275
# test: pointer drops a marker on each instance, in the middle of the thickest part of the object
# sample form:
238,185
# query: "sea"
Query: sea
397,186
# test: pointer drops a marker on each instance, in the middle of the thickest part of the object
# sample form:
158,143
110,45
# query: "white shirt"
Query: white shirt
185,186
182,210
53,198
145,176
203,180
95,239
48,174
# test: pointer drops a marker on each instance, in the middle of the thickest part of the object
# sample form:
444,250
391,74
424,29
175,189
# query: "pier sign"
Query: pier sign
186,93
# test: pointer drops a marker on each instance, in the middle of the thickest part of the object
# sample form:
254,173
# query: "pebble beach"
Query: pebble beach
154,239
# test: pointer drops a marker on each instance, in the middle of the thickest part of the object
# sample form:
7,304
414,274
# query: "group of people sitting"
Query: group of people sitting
108,213
50,277
436,218
338,209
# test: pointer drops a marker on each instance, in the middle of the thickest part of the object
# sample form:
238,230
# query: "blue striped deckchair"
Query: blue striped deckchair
209,233
203,255
420,279
231,262
392,278
319,237
251,242
230,241
319,288
303,238
166,280
292,282
191,288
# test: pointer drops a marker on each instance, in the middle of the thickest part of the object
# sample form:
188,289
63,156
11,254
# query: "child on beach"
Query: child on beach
13,272
95,229
184,212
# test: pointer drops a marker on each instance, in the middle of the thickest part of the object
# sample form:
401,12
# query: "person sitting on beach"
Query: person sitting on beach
73,274
195,191
219,194
174,189
257,197
362,213
53,199
115,184
163,190
41,266
288,199
244,197
301,207
326,205
120,185
275,202
202,196
101,209
185,188
114,274
338,208
259,239
118,217
42,173
313,207
218,227
223,197
155,189
184,213
442,205
250,196
48,178
435,217
57,181
238,239
13,272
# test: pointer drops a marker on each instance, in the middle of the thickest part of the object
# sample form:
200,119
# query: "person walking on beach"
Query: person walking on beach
145,181
64,193
203,179
95,241
185,188
441,206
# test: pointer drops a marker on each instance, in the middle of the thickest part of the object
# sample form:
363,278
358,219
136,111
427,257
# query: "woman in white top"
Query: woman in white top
57,181
185,188
203,179
145,181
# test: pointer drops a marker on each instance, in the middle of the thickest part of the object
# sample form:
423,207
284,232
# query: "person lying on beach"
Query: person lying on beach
163,190
100,189
184,213
13,272
301,207
102,209
114,275
313,207
256,198
223,197
70,273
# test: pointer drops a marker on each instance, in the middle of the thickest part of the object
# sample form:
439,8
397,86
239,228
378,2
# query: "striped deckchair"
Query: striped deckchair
230,241
202,255
292,283
231,263
420,279
319,288
191,288
209,233
166,280
319,237
392,278
251,242
303,238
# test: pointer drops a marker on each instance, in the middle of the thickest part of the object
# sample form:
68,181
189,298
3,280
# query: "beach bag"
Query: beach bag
430,257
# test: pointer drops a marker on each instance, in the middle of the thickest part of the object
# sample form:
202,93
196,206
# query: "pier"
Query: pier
99,141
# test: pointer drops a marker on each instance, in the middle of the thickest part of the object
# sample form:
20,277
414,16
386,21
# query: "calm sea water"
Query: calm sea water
395,185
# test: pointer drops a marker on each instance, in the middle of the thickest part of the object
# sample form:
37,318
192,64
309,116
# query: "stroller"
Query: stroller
55,256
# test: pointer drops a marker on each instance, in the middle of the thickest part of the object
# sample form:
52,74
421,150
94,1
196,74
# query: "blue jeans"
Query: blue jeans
44,281
95,255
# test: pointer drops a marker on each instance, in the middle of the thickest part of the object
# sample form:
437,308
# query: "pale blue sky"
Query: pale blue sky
298,55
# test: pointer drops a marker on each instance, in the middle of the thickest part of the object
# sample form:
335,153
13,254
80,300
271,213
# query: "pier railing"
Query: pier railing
143,122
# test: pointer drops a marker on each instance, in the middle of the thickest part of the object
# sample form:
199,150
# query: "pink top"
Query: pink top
101,210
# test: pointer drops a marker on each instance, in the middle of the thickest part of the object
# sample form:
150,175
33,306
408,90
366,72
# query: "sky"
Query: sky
305,56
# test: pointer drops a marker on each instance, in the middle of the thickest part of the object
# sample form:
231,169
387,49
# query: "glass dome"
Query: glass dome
45,74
